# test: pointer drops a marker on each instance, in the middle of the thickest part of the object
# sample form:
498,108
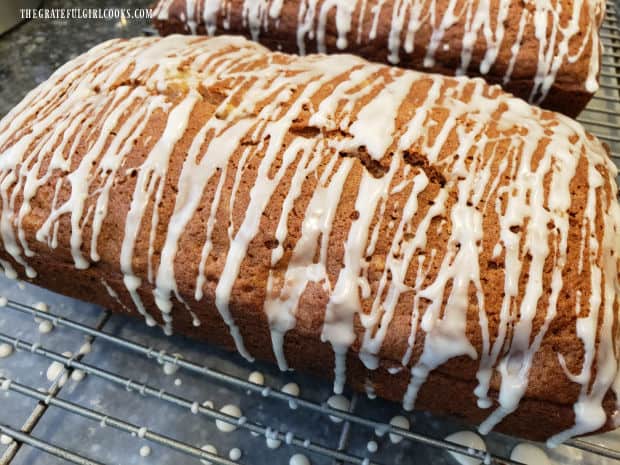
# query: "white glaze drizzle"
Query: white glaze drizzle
231,410
299,459
344,301
234,453
483,32
338,402
5,350
145,451
469,440
212,450
400,422
529,454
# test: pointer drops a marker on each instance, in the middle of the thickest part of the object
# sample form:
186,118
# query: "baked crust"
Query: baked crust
546,52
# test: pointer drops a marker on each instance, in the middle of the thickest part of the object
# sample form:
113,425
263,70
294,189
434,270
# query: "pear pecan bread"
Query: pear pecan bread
432,238
544,51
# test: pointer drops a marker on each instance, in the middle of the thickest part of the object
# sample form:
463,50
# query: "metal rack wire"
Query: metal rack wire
71,363
602,117
155,391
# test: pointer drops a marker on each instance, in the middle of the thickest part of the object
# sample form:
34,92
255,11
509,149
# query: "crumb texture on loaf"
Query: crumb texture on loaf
402,226
544,51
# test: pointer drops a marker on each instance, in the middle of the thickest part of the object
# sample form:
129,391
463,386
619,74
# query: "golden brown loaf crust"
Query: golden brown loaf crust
544,51
432,237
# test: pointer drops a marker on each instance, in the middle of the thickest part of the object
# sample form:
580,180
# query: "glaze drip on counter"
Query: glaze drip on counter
425,221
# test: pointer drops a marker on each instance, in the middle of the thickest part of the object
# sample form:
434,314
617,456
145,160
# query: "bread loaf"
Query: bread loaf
434,238
544,51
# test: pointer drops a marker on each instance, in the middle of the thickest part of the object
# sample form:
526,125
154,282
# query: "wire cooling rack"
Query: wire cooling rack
602,116
63,421
94,333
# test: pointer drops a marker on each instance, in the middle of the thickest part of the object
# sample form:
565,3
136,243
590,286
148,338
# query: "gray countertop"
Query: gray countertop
33,50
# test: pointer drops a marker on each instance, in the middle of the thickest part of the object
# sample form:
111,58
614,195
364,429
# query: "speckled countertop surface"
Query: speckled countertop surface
32,51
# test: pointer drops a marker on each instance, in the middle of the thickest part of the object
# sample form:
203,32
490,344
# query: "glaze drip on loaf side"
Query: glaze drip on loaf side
528,46
418,222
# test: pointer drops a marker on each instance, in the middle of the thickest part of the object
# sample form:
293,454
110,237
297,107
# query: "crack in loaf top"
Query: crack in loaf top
529,46
431,222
